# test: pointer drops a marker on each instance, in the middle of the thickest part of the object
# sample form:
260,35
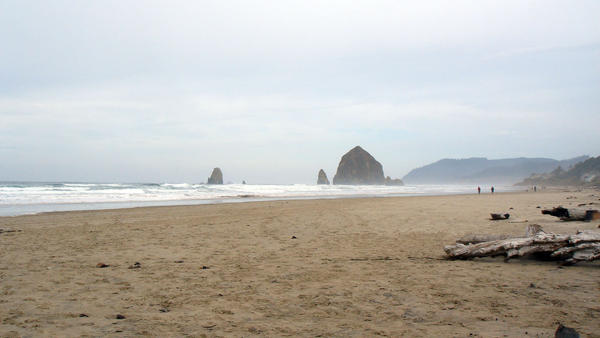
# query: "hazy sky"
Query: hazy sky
163,91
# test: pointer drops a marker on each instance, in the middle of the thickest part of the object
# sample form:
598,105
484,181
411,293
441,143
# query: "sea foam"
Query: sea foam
26,197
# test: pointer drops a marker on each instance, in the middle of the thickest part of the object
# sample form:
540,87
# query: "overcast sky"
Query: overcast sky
163,91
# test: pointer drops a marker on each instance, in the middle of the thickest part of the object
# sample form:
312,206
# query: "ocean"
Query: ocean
19,198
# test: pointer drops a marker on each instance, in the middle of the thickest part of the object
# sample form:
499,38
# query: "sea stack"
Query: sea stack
393,181
322,179
216,177
359,167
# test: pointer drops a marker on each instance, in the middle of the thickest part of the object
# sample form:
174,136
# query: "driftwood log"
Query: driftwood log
583,246
573,214
497,217
474,239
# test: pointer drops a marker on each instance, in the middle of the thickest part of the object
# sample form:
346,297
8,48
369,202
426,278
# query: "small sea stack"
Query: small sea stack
393,181
322,179
216,177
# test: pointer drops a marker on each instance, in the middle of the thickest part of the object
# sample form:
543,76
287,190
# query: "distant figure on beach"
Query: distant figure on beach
492,189
479,190
534,188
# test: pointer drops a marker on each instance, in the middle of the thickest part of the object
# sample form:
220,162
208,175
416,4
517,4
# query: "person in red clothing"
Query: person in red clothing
479,190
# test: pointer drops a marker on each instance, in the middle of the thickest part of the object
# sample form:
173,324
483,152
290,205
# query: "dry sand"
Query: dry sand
356,267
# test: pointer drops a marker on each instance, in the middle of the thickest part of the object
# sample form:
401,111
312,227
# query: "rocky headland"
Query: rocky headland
478,169
586,173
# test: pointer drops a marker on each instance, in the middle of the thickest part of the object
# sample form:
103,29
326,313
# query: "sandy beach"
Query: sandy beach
341,267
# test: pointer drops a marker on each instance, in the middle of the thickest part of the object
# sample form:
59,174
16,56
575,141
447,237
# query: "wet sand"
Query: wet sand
344,267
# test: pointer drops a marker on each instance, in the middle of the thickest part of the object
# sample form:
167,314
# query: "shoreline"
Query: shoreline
331,267
244,200
41,208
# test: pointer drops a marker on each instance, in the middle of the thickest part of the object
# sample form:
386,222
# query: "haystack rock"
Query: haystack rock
216,177
359,167
322,179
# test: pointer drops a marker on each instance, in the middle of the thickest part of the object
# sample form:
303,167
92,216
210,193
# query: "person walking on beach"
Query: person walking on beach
492,189
479,190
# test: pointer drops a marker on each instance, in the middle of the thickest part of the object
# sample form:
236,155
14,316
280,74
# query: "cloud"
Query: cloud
79,42
242,121
273,91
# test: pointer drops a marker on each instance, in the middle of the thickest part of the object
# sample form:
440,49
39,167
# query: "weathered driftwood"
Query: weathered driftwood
571,214
583,246
530,231
569,249
497,217
476,238
533,229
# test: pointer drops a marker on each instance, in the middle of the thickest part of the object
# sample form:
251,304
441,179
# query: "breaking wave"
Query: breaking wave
27,197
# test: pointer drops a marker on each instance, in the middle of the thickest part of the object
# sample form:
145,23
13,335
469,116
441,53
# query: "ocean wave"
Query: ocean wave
23,193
